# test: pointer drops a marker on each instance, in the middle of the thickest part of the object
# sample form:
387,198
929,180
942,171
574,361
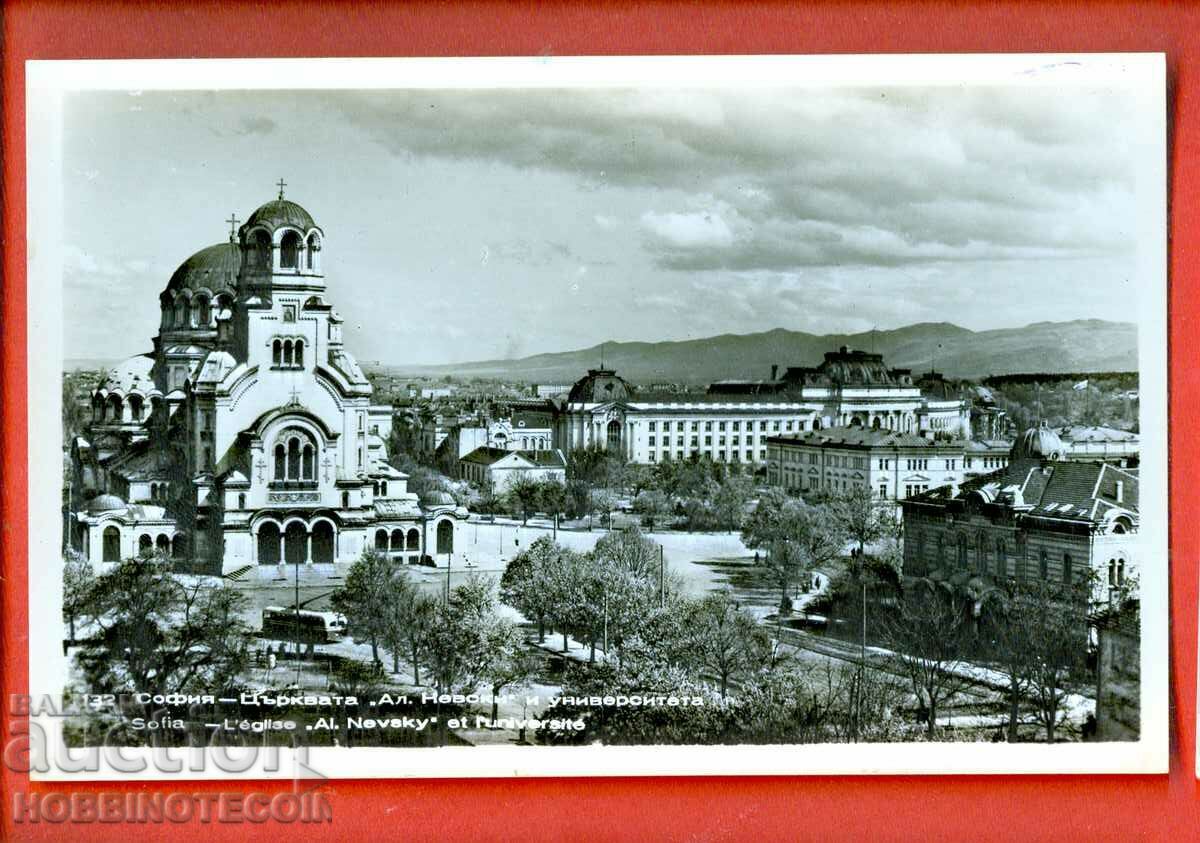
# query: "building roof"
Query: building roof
131,375
1094,433
485,455
857,437
279,213
104,503
600,386
1084,491
545,458
214,267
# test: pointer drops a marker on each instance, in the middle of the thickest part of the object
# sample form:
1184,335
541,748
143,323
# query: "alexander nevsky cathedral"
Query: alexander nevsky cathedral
247,435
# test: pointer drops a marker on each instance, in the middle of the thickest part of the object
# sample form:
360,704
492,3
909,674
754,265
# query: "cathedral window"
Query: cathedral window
287,352
383,488
180,320
242,501
299,353
204,313
280,462
289,313
260,250
289,251
293,461
310,471
314,245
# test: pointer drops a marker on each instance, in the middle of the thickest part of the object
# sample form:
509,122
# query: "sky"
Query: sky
468,225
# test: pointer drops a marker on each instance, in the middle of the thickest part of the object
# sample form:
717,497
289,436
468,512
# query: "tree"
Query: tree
630,551
469,638
408,615
524,584
722,639
1053,625
729,501
928,633
157,634
365,597
654,507
863,517
78,578
552,497
798,537
523,496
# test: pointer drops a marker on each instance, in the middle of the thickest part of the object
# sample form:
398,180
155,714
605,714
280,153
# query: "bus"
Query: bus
280,624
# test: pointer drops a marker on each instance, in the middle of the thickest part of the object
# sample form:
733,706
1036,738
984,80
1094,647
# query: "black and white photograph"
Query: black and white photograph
495,417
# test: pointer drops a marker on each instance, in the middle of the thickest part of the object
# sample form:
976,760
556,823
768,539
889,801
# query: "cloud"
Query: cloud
810,177
256,126
695,230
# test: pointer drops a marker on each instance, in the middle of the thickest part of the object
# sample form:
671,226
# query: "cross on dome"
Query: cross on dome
233,221
282,184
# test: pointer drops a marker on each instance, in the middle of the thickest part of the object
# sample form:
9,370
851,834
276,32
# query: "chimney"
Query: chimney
774,371
1120,491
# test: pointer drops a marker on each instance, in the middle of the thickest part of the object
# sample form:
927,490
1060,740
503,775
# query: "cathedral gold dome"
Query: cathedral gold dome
280,213
210,268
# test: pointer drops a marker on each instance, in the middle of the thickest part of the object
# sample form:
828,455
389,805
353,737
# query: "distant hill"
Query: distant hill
1077,346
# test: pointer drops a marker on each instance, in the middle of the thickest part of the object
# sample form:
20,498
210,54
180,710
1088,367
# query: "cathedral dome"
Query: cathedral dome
212,268
104,503
1038,443
279,213
600,386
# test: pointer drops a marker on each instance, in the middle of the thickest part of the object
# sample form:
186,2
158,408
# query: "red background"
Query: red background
884,808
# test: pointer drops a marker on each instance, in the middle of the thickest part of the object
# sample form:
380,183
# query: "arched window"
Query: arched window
299,356
287,352
414,540
345,500
445,537
293,459
112,544
277,352
260,250
145,545
242,500
135,407
280,462
163,544
116,409
314,246
375,488
381,541
179,546
614,434
310,470
180,320
397,540
204,312
289,250
168,315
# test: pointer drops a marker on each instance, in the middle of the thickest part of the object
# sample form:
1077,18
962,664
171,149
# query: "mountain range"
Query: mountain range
1086,345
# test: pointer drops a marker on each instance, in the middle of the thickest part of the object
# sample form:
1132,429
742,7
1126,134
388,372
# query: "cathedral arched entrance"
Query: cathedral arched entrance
295,543
268,544
324,543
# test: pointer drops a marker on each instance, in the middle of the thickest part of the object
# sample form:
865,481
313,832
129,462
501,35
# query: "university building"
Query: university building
892,465
1041,517
732,422
247,435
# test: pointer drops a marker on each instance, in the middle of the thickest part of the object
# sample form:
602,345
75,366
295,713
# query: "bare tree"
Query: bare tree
78,578
928,632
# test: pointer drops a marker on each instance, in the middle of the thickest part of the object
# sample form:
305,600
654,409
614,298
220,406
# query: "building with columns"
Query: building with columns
732,422
247,435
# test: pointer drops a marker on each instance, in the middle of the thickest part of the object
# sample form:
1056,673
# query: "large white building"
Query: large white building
733,420
247,435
